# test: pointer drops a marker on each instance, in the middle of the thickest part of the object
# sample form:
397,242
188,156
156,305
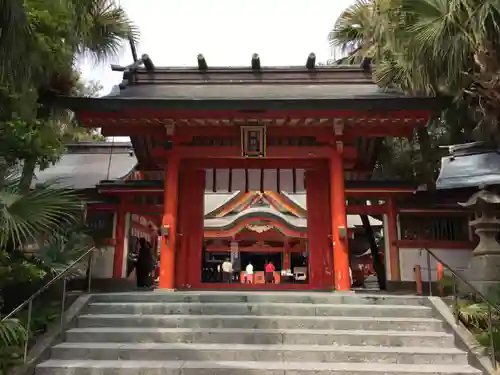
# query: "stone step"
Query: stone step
244,352
259,297
284,309
261,337
259,322
90,367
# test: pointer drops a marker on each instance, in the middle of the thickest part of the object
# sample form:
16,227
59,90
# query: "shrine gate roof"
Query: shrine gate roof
239,88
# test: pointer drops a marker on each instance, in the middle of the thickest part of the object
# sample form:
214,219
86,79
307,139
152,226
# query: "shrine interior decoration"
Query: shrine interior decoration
259,228
253,141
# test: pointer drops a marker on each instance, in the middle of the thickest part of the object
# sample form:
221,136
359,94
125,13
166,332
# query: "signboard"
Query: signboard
253,141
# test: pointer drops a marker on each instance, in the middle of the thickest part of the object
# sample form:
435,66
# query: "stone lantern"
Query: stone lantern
484,267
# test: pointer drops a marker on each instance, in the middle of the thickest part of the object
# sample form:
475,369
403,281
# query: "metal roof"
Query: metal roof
469,166
85,165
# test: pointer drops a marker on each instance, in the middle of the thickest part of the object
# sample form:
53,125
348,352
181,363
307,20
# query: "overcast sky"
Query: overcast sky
226,32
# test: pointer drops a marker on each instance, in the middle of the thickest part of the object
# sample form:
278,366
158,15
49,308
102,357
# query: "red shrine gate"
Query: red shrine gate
317,178
185,121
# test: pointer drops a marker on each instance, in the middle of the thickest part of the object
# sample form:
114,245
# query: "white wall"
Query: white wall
102,262
387,249
458,259
128,224
103,259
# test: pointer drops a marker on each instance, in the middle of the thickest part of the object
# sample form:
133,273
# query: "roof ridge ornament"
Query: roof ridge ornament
256,62
202,63
311,61
129,70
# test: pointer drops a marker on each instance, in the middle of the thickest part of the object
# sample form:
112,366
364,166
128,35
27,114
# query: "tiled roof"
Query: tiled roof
255,91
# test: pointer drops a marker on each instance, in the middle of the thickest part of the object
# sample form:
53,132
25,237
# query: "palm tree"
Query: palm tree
354,31
428,48
95,27
40,41
36,215
38,218
13,37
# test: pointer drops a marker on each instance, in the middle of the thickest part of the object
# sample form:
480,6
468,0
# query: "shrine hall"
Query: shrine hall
254,164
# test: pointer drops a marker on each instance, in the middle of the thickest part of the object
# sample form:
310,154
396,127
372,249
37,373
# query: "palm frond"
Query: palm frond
354,28
45,209
104,29
62,249
12,333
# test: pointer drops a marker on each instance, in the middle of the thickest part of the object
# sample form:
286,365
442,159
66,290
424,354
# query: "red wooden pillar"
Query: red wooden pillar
168,246
189,220
318,228
286,255
339,223
196,228
392,236
121,219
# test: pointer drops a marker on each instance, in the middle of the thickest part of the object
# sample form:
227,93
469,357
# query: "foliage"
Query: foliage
27,139
27,217
39,238
429,48
63,249
13,333
12,336
474,313
15,268
39,43
446,284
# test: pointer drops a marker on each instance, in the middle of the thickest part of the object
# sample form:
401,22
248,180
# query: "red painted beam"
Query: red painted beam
378,192
381,130
314,152
253,249
429,244
322,133
102,207
254,163
131,130
143,208
186,133
124,190
147,113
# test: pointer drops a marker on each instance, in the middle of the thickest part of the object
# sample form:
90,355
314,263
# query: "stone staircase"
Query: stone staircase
231,333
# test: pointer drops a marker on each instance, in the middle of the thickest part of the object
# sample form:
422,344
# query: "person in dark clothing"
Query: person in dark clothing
144,265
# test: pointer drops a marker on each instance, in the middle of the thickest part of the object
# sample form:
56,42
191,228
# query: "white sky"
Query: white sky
226,32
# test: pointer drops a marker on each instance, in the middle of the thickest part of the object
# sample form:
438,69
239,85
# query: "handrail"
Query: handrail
456,307
62,275
46,286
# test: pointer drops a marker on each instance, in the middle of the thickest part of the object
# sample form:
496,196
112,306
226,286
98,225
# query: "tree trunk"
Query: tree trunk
378,266
27,175
427,155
